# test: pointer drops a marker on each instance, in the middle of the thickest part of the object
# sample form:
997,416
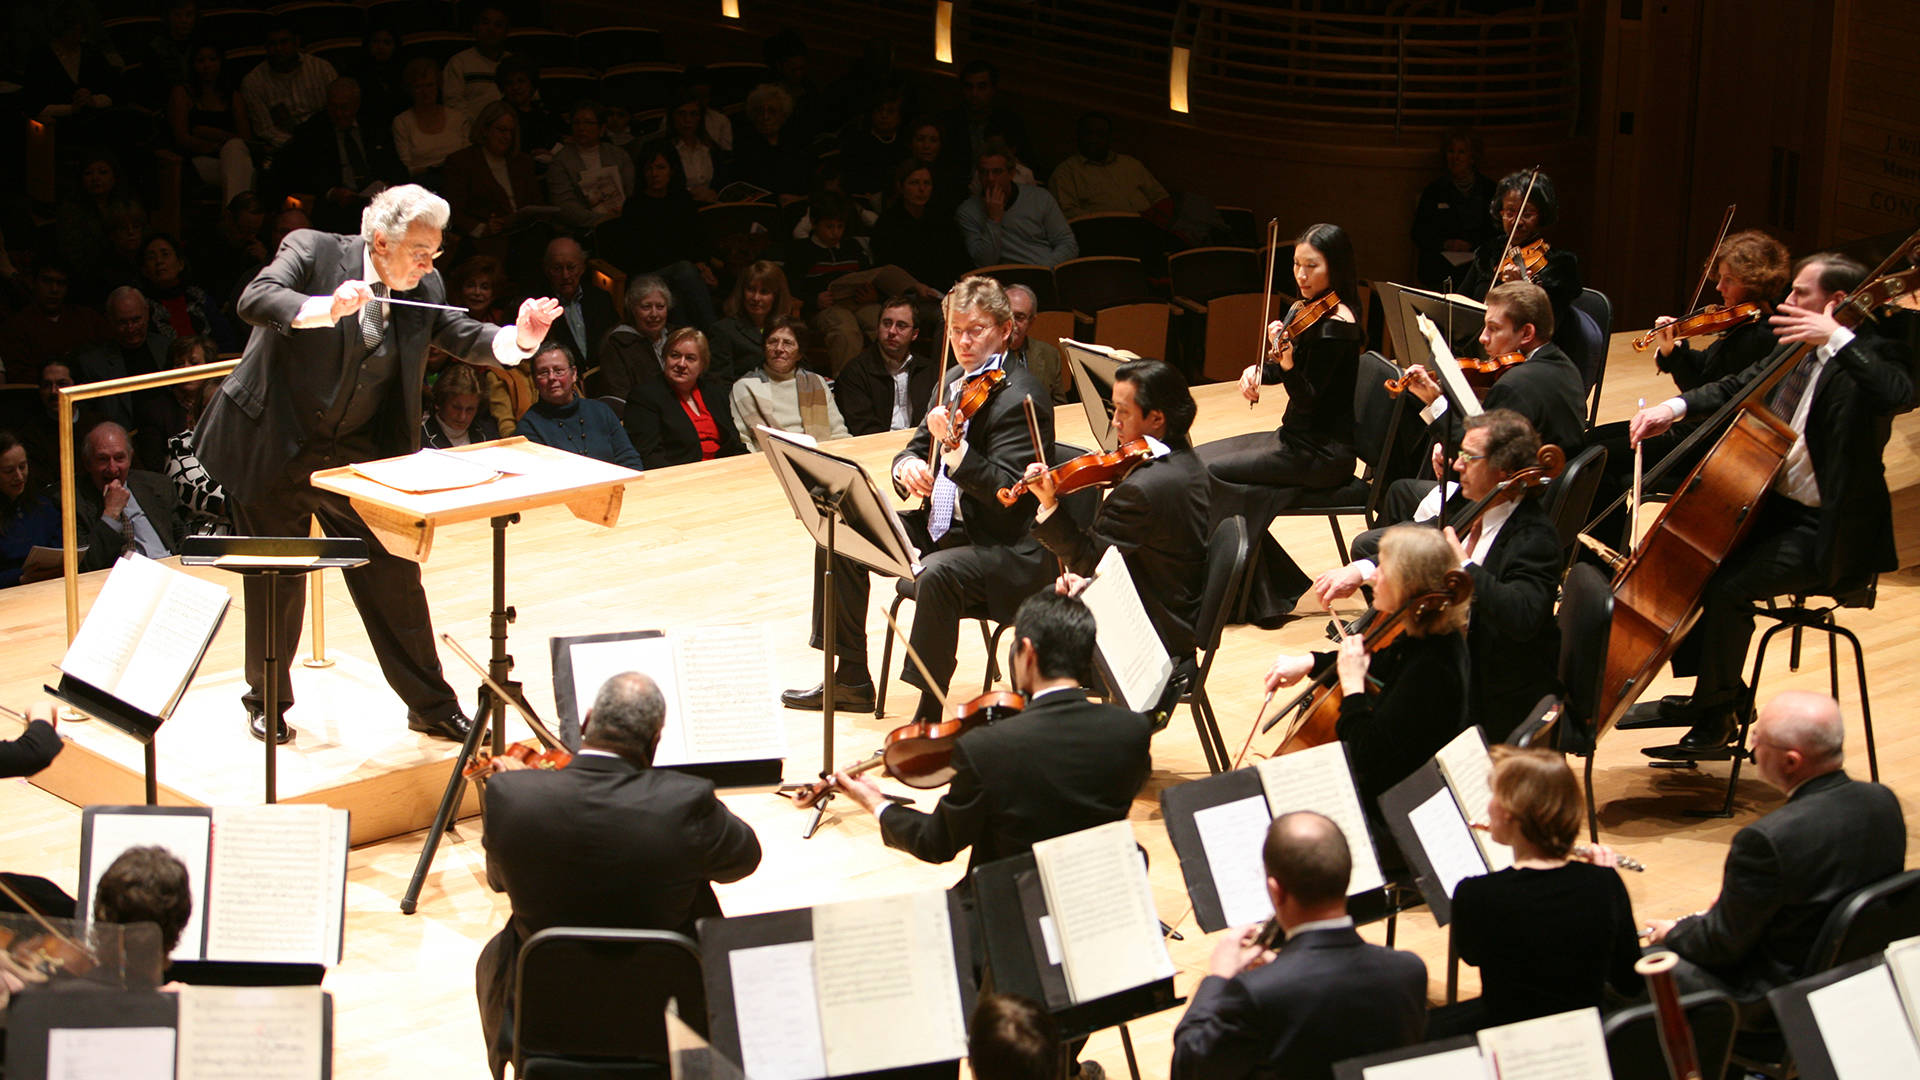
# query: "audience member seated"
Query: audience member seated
210,126
871,145
564,420
38,422
169,56
1096,180
176,306
427,131
1010,222
888,386
589,180
287,88
781,394
698,161
1788,870
29,518
607,841
489,181
469,84
1324,995
699,83
101,195
684,416
588,312
914,234
340,159
121,508
133,348
658,233
481,284
223,250
1451,221
127,228
288,220
926,144
786,56
454,417
72,82
828,253
1041,358
146,884
981,119
1013,1038
766,152
760,295
377,68
1530,966
202,502
542,130
632,352
619,128
51,327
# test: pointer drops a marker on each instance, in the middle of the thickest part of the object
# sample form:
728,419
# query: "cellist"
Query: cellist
1827,525
1400,705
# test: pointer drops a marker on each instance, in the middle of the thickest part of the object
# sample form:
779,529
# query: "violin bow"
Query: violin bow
933,684
21,902
1266,294
538,725
1706,271
1507,251
939,395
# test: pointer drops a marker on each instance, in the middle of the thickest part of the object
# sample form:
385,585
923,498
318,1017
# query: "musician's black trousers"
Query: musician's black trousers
957,580
386,591
1775,559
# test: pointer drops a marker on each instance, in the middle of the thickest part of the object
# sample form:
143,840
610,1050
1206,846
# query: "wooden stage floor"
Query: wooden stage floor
715,542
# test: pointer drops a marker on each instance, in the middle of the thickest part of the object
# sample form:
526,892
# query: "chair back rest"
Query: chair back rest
1869,920
1538,728
1234,331
1204,273
1633,1035
1112,233
1585,618
1138,328
586,992
1229,551
1092,282
1373,409
1595,331
1570,496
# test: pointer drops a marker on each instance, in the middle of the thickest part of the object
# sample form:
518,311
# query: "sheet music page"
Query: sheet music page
1865,1027
1446,839
188,836
1465,1063
1232,834
889,991
594,662
426,471
130,1053
1320,780
1564,1046
1447,369
111,631
1467,768
1123,634
504,459
1102,908
251,1033
729,706
176,634
1903,959
778,1012
274,884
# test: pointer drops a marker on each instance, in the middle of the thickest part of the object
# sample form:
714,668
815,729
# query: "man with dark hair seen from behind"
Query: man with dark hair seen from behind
608,841
1788,870
1013,1038
1324,996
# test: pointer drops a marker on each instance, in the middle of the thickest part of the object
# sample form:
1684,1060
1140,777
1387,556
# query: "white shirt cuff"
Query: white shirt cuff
1679,407
1045,513
1436,410
1841,337
316,311
955,456
1367,568
506,346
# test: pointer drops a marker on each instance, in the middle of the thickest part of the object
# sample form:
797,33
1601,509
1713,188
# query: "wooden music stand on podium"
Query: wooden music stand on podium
530,476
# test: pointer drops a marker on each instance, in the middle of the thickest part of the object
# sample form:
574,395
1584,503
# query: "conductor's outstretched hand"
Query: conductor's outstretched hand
536,315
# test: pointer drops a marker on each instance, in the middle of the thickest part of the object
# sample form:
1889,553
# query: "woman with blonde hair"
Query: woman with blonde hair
738,340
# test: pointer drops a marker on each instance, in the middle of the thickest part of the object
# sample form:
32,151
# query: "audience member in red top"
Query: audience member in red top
683,417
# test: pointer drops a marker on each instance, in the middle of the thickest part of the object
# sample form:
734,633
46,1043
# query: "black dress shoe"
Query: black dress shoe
852,698
453,726
257,726
1674,710
1711,739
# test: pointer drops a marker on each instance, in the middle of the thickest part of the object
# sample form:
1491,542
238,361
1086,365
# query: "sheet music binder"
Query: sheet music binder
1795,1015
1396,804
1009,903
719,937
34,1016
1356,1068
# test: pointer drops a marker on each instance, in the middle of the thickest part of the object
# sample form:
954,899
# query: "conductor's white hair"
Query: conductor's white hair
394,211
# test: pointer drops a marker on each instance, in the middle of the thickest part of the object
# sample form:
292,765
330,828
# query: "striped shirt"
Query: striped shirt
295,96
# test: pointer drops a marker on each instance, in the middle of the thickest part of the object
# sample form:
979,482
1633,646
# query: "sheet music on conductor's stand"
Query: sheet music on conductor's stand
1128,649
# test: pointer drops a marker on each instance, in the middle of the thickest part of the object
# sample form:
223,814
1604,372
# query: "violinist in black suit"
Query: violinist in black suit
1827,525
1157,515
1062,764
331,377
1512,551
683,416
607,841
976,553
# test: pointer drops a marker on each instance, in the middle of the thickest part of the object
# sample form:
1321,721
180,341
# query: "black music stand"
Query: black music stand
270,558
825,491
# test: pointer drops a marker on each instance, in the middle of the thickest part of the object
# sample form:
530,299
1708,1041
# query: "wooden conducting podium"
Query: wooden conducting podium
403,500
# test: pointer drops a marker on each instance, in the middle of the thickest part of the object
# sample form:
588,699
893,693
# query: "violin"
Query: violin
37,957
1712,319
1097,469
920,754
971,400
1280,342
1529,260
1318,705
528,753
1480,374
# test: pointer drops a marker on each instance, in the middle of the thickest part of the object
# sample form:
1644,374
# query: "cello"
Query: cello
1658,588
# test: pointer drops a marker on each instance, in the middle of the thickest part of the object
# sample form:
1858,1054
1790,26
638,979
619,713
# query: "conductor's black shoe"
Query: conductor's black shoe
257,726
452,726
1674,710
856,697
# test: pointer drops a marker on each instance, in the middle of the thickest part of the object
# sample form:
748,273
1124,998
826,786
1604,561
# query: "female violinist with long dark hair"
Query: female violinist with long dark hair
1313,447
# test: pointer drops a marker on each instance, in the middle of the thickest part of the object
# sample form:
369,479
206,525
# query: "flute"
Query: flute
1585,854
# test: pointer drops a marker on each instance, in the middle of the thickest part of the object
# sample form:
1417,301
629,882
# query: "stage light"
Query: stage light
943,32
1177,78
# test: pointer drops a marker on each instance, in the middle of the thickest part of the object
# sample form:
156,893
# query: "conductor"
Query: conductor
332,375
